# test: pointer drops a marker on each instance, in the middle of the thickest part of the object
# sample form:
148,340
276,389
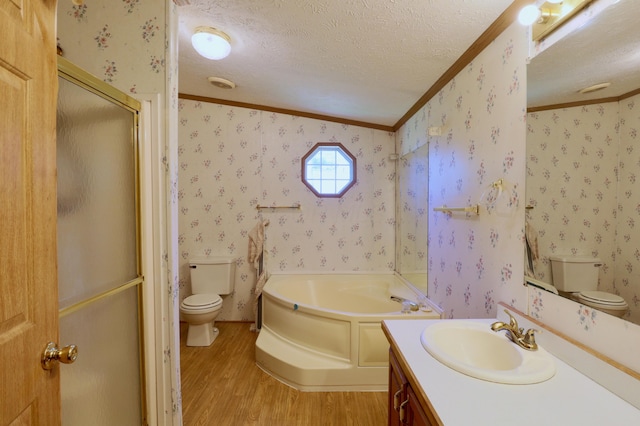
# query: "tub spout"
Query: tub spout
412,306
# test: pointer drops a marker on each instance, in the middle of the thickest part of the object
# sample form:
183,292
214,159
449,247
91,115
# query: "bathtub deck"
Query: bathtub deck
309,371
222,385
322,332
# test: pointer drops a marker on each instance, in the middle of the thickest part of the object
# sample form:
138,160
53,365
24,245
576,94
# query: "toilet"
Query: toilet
211,277
577,278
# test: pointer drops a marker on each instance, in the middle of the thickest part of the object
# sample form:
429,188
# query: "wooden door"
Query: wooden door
28,276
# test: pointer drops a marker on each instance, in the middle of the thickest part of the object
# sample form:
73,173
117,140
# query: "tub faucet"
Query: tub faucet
525,340
413,306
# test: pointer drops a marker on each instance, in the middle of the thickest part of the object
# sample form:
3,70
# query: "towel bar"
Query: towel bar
294,206
475,209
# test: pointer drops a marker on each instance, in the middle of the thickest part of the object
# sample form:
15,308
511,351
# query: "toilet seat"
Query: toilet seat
201,302
602,298
605,302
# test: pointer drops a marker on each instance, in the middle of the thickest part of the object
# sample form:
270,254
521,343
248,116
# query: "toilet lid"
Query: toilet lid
200,301
602,298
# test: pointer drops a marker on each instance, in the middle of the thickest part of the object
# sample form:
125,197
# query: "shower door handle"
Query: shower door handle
52,355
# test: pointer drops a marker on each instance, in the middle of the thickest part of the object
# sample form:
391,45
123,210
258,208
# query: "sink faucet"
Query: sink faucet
517,335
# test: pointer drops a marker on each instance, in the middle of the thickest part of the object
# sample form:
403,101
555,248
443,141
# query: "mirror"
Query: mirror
582,161
413,188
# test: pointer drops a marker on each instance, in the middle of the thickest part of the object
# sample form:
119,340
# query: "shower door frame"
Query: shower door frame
76,75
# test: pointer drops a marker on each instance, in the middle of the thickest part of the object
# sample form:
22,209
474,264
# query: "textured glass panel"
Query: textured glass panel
102,387
96,195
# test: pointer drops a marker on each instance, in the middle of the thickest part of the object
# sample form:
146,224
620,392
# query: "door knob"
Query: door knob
52,355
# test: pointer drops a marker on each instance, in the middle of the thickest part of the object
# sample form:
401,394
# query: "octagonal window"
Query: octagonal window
329,169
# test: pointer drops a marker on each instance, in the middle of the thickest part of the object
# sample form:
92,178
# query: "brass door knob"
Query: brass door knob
51,355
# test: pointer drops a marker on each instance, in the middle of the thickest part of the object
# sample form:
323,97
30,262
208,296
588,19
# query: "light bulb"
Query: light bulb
211,43
529,15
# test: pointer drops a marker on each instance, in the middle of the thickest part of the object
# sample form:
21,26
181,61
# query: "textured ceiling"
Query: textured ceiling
363,60
607,49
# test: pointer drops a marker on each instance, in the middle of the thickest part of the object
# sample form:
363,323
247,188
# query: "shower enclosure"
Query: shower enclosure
99,266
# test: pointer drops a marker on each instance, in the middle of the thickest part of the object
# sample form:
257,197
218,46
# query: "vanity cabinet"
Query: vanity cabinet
424,391
405,408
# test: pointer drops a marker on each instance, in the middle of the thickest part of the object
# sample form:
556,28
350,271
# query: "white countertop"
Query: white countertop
568,398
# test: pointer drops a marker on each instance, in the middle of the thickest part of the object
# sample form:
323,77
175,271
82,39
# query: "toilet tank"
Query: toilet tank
212,274
575,273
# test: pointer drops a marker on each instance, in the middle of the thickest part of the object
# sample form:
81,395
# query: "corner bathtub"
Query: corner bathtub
323,332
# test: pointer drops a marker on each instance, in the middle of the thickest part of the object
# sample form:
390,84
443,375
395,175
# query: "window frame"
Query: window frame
345,152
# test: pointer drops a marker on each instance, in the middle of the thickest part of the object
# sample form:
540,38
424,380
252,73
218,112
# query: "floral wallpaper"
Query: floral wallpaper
627,260
475,261
109,29
132,45
581,181
233,159
572,159
614,337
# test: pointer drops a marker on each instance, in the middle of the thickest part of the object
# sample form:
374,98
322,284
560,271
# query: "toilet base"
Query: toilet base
202,334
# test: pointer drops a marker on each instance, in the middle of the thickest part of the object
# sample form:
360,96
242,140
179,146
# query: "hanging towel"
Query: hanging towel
262,280
256,242
531,249
256,257
531,236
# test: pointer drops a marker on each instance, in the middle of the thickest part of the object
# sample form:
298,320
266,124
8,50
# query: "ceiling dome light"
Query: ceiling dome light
211,43
529,15
594,88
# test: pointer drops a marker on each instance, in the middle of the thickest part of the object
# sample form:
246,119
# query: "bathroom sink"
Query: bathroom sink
472,348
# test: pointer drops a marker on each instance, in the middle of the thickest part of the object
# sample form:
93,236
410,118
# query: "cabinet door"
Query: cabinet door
397,390
405,408
416,415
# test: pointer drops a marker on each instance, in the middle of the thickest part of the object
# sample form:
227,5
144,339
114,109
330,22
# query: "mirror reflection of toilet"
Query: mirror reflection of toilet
211,277
577,278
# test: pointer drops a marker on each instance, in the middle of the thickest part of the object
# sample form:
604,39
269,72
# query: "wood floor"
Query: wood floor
221,385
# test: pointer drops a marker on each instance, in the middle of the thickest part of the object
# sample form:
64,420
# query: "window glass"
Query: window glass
329,170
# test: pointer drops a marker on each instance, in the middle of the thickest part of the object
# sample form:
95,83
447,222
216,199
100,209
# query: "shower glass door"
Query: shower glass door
99,251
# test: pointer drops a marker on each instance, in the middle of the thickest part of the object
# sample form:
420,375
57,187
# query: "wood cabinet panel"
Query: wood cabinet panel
405,408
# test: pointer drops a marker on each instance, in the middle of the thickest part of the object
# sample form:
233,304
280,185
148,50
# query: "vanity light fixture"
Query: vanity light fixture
211,43
544,16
